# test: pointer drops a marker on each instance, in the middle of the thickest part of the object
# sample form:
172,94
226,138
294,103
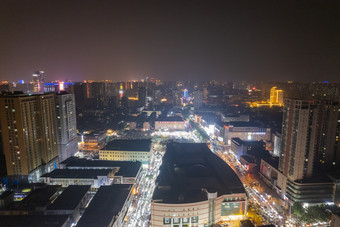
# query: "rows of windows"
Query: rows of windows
234,199
177,221
228,208
124,156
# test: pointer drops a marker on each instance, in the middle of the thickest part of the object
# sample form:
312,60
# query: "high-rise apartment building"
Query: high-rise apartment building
28,131
328,145
66,125
310,136
38,81
198,99
142,96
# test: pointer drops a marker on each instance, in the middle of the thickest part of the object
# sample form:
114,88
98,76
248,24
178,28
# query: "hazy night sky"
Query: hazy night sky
171,40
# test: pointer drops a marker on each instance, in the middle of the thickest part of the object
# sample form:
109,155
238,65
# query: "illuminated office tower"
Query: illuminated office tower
276,96
185,93
38,82
29,138
66,125
121,91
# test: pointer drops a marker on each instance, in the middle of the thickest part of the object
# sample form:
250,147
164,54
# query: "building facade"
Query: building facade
127,150
170,124
66,125
245,131
277,144
29,134
180,199
116,155
226,208
310,136
198,99
276,96
38,82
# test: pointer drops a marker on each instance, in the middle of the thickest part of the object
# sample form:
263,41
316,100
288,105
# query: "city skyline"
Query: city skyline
180,113
123,40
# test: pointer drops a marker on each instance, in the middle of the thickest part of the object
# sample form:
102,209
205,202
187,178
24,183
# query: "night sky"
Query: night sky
170,40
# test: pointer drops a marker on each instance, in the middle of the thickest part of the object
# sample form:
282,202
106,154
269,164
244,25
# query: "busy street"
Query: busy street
139,213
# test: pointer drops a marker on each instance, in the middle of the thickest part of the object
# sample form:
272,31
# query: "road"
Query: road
262,207
139,214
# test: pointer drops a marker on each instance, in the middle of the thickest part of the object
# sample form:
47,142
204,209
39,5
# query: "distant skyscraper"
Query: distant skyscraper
198,98
121,91
205,93
142,96
276,96
185,93
28,130
124,103
310,136
38,81
157,97
66,125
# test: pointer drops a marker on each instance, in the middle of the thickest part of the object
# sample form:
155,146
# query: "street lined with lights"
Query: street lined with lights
266,211
140,211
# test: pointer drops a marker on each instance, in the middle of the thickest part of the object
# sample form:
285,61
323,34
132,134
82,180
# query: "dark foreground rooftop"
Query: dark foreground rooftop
243,124
105,205
70,198
126,168
189,167
77,173
33,220
129,145
39,197
166,118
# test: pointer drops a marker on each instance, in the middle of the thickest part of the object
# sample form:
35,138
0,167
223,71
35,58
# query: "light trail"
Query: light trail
140,212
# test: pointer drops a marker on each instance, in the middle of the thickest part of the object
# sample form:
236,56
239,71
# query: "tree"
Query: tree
311,214
298,209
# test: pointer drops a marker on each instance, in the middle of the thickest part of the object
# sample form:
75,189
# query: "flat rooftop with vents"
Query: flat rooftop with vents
107,208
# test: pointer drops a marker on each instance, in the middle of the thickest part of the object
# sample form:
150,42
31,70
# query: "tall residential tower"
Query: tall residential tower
28,131
310,137
66,125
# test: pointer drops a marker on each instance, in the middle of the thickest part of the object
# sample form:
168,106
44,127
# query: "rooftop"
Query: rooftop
70,198
129,145
189,167
273,161
105,205
40,197
172,118
33,220
246,223
248,142
126,168
6,194
248,158
129,170
77,173
243,124
16,94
